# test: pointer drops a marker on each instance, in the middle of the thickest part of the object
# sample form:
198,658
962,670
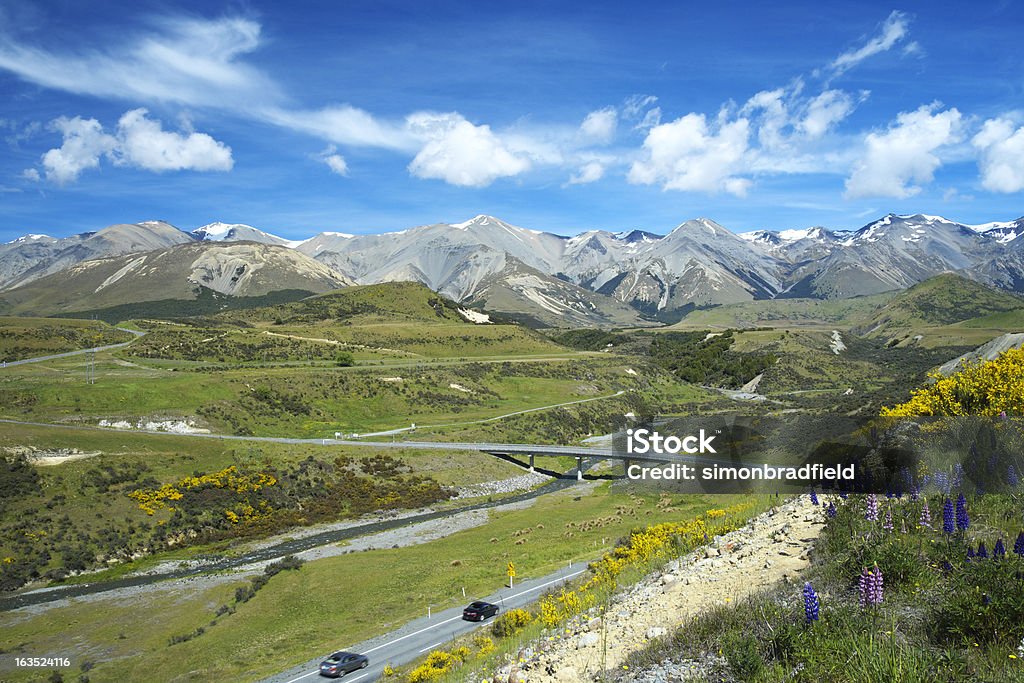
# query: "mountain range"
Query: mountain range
593,278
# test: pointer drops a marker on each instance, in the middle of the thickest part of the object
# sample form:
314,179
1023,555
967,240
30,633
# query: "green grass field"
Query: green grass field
333,602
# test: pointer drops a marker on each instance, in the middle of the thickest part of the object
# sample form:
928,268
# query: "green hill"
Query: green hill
943,300
387,302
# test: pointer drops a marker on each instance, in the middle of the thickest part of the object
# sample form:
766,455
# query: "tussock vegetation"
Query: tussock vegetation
31,337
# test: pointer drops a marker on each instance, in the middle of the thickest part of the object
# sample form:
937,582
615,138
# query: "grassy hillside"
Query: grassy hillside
786,313
943,300
30,337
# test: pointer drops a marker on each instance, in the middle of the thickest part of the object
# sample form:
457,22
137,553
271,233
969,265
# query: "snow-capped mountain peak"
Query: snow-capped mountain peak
31,238
218,231
238,232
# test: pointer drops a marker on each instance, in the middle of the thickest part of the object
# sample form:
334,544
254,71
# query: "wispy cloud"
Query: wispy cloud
893,30
194,62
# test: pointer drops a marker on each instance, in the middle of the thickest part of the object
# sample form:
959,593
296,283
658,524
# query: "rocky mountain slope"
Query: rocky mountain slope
597,277
181,272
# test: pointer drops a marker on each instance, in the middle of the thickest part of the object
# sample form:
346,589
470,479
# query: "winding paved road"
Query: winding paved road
40,359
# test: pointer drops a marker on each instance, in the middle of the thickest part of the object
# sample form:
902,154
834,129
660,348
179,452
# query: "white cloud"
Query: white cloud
904,154
1001,155
641,109
825,111
774,116
688,154
334,161
188,61
346,125
142,142
31,174
893,30
461,153
84,144
139,141
590,172
599,126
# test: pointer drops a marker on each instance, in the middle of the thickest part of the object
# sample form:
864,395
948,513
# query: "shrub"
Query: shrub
511,623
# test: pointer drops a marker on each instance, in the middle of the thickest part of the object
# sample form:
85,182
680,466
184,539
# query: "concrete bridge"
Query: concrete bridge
532,451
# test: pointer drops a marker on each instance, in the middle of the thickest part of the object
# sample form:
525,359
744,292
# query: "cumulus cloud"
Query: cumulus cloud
1001,155
904,154
142,142
84,144
599,126
461,153
138,141
893,30
774,116
334,161
590,172
826,110
691,154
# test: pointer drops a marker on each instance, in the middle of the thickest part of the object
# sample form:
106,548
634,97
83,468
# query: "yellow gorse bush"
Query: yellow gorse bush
151,500
642,547
979,388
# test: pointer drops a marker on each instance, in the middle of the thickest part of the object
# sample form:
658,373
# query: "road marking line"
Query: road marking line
304,676
431,647
352,680
409,635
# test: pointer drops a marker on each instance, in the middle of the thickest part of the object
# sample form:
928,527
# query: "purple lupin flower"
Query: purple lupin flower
887,524
963,521
871,508
814,497
831,510
948,521
1011,477
982,551
811,604
999,551
1018,545
970,553
926,515
870,587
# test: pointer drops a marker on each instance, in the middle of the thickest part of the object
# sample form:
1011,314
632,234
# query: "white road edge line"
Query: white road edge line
312,673
409,635
431,647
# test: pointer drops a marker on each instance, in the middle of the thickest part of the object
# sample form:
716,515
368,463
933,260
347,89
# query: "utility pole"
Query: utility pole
90,368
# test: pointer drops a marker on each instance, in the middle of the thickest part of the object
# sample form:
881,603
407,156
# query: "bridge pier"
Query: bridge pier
579,468
626,463
532,470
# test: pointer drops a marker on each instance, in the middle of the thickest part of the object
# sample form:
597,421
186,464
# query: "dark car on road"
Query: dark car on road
479,610
341,663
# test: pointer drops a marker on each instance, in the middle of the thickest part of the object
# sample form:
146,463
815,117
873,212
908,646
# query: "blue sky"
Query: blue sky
370,116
